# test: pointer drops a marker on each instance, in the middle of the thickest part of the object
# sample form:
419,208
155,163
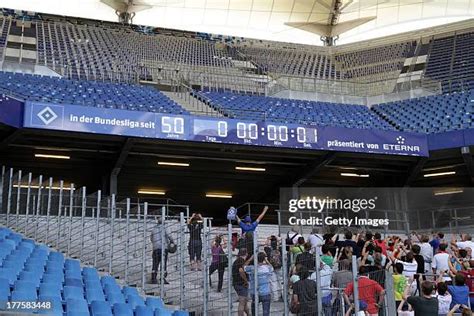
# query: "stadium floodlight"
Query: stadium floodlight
52,156
151,192
439,174
356,175
219,195
174,164
241,168
448,191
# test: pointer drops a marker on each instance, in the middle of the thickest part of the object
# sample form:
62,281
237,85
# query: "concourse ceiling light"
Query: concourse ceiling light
349,174
219,195
43,187
439,174
174,164
151,192
242,168
52,156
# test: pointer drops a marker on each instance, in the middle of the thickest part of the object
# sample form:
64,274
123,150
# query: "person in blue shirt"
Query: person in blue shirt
436,241
264,272
459,291
246,223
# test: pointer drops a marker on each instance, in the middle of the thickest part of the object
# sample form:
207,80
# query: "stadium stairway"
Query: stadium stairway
33,272
192,104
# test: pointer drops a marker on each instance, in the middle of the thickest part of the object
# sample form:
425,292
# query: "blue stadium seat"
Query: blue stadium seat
163,312
143,311
24,295
112,288
78,305
181,313
35,267
122,309
24,285
8,274
56,303
258,107
73,282
68,298
55,256
77,313
50,289
107,279
53,278
4,289
87,93
31,276
100,309
154,302
93,284
72,264
135,300
73,292
127,290
90,273
115,297
95,295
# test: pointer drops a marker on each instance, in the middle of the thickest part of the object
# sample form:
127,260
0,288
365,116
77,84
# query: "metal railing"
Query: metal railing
350,88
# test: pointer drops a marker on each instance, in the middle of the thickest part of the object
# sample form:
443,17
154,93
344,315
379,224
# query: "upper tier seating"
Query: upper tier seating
294,62
295,111
431,114
96,51
33,272
89,93
379,61
451,61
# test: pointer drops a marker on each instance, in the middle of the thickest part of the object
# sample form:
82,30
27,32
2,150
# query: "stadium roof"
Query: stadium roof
279,20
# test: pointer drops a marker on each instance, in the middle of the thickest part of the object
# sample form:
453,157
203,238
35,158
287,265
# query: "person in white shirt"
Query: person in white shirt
426,251
292,237
316,241
440,262
410,266
444,298
325,273
465,243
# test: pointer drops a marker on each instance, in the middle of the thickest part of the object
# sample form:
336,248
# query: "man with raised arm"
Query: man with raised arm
246,223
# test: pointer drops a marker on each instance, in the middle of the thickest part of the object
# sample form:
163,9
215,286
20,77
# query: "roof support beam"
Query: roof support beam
415,171
467,157
10,138
127,146
313,168
125,10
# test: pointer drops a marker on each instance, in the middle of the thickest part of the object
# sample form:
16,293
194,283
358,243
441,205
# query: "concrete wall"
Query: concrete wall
347,99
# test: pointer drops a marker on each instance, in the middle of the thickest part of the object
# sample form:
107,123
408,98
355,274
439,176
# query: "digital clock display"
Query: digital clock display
257,133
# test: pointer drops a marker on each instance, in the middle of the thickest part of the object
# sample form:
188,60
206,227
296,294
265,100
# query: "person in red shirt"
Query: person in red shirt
369,291
378,241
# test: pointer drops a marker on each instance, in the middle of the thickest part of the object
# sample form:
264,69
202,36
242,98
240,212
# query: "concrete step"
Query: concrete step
192,104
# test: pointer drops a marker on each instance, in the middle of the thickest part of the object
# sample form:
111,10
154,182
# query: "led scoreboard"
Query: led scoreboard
253,133
220,130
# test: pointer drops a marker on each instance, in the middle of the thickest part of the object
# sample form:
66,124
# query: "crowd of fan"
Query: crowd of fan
429,275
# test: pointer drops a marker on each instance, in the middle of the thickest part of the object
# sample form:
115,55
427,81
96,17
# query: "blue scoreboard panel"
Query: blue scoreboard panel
220,130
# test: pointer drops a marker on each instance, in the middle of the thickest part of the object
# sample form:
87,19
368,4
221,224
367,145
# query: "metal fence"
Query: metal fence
149,246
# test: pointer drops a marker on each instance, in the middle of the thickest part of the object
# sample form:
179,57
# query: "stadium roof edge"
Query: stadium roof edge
437,31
